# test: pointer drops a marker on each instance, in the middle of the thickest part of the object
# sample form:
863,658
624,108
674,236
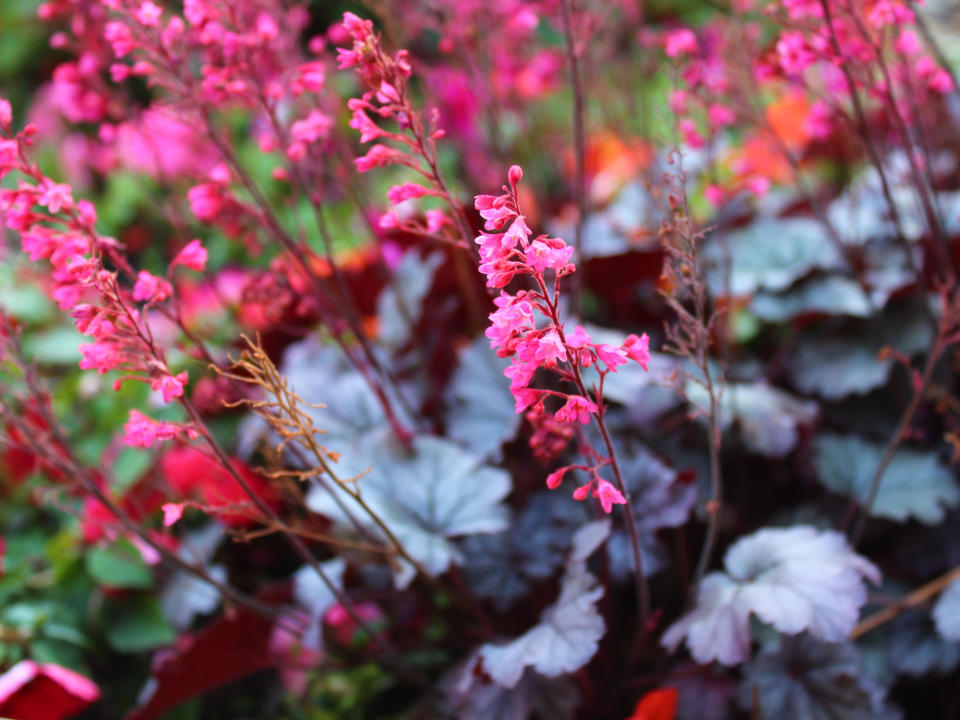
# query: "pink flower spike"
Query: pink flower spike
172,512
638,348
608,495
193,256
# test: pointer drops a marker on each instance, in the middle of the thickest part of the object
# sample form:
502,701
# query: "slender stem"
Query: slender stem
579,144
715,505
903,427
643,591
295,541
916,598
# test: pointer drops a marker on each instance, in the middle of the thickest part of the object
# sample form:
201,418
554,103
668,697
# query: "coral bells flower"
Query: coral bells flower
608,495
170,386
151,289
602,490
577,408
680,42
193,256
141,431
638,348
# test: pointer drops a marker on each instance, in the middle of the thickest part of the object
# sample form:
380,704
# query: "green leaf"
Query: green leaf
57,346
118,565
136,623
914,485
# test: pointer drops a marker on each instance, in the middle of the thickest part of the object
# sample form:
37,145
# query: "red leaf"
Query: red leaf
658,704
230,648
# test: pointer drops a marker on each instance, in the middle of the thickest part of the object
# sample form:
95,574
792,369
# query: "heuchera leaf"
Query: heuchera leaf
185,595
427,498
659,501
398,307
569,630
911,646
769,418
830,295
805,679
946,613
481,412
503,566
846,363
553,698
770,254
795,579
914,485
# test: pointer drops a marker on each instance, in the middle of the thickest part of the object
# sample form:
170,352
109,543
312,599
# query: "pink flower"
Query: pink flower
118,35
550,349
369,130
691,136
436,219
149,14
206,201
316,126
638,348
555,254
680,42
310,78
399,193
6,113
377,156
608,495
720,116
100,356
524,398
141,431
677,101
520,373
907,43
55,196
611,356
576,408
556,477
578,338
170,386
794,54
149,288
193,256
172,512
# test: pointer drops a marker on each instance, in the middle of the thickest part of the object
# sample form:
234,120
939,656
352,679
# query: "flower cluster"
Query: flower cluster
104,308
507,251
387,97
820,71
